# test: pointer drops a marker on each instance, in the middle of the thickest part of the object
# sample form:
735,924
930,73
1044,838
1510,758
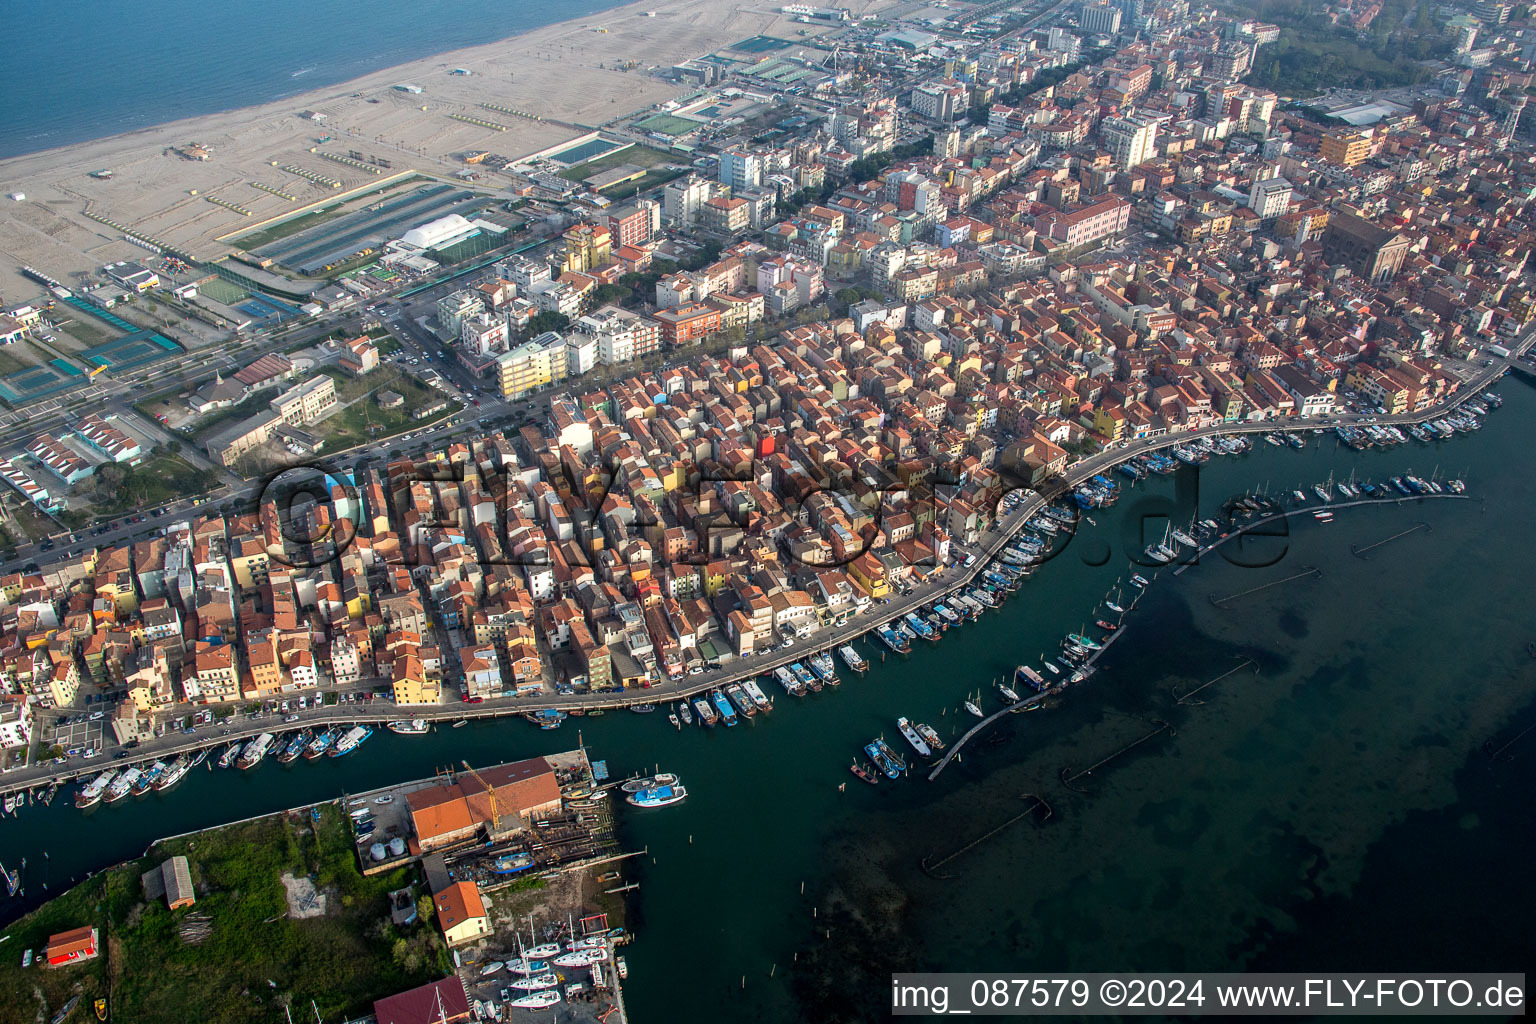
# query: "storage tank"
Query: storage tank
397,847
376,851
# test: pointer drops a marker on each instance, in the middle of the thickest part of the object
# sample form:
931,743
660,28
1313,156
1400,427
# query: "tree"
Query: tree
424,908
605,294
548,320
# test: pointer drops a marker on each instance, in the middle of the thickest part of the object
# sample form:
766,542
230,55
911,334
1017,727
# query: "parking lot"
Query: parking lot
81,732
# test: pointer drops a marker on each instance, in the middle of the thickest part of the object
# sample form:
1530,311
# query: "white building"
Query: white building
483,333
454,308
1270,197
1131,140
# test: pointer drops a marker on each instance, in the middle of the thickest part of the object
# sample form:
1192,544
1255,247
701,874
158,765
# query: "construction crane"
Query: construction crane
491,790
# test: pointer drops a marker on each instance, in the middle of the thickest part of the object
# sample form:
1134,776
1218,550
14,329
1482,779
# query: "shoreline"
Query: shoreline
989,547
566,71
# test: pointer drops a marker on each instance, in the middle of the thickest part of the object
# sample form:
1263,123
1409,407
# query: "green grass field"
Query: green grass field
667,124
640,156
255,961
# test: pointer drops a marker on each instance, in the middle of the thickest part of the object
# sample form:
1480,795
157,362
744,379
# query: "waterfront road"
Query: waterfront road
937,585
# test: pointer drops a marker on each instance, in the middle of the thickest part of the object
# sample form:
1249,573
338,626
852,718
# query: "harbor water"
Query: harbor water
70,77
1361,801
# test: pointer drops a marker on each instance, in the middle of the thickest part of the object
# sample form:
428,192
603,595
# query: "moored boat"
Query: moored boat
660,796
755,693
255,751
1009,693
973,709
740,699
786,679
911,736
415,727
122,785
648,782
90,794
292,748
852,659
175,773
707,715
150,776
231,752
351,740
863,771
319,744
723,705
930,736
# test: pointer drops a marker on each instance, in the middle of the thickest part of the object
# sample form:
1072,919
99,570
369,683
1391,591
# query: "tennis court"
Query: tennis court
37,382
585,151
761,44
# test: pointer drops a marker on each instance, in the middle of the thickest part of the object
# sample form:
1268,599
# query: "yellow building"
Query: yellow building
1346,147
411,683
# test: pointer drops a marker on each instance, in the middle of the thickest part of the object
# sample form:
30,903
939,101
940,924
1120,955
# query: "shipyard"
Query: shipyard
710,488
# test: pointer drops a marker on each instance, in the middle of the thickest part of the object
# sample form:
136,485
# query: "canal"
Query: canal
1335,810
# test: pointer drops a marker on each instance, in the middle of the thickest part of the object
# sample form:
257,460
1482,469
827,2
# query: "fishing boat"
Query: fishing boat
546,718
13,886
684,712
948,614
351,740
100,1008
90,794
707,716
672,717
973,709
723,705
661,796
649,782
821,664
1085,642
885,758
863,771
1009,693
930,736
806,677
740,699
255,751
65,1010
755,693
150,776
894,640
642,709
786,679
536,1000
922,748
293,748
512,863
231,752
851,658
122,785
319,744
174,774
415,727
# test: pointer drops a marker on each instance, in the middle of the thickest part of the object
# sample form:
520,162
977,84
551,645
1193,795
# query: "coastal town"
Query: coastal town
669,409
826,353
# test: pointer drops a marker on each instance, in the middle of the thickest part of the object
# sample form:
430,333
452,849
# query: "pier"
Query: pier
930,867
1067,780
1306,571
1185,698
1360,552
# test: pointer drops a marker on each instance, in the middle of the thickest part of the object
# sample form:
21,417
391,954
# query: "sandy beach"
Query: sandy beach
571,72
